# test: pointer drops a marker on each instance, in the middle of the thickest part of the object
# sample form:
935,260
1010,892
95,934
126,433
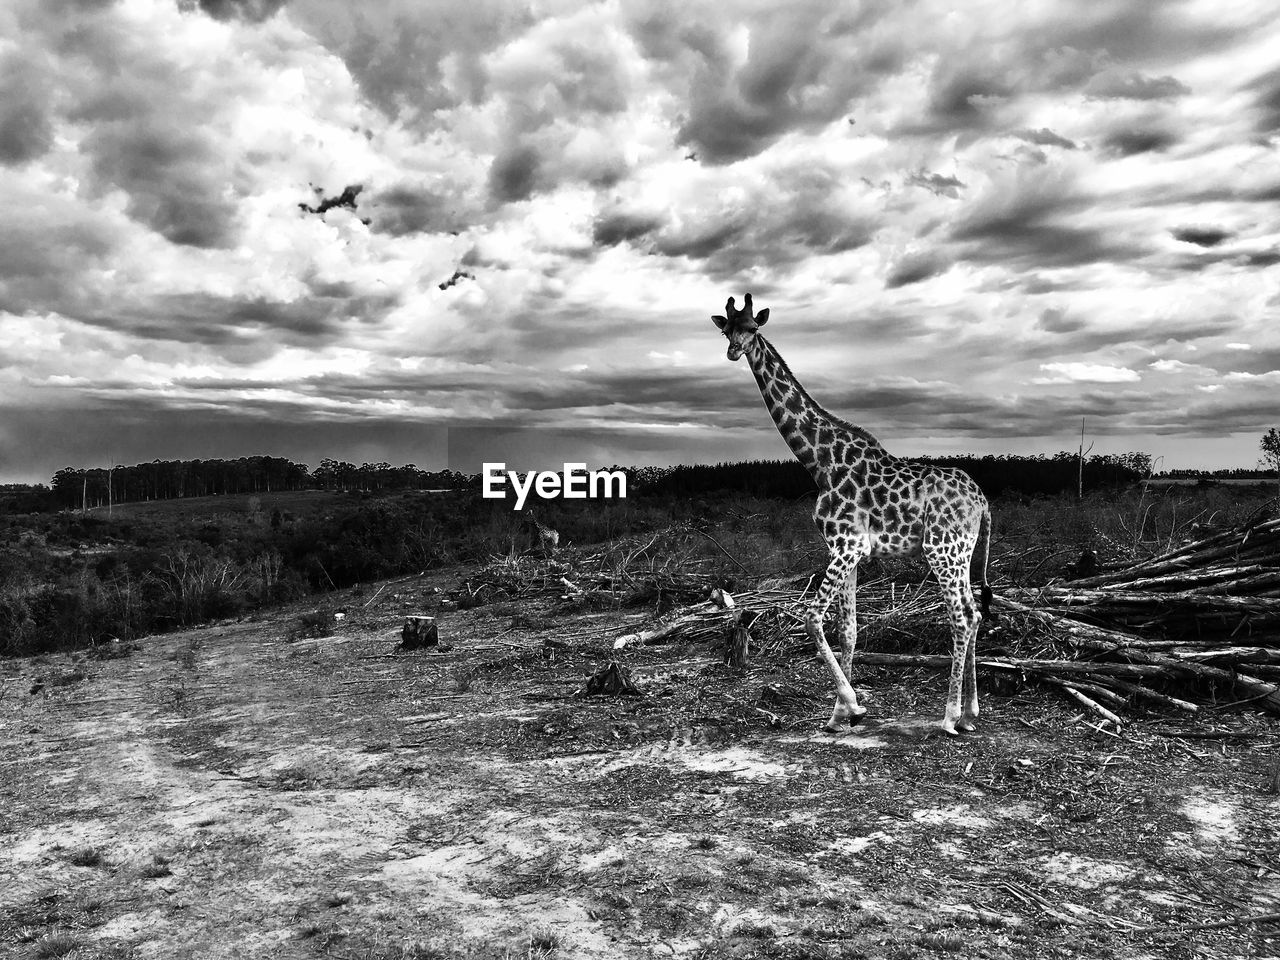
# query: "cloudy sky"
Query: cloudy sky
973,223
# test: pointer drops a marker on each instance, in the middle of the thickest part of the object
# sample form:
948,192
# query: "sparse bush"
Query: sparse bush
158,867
544,942
66,678
463,677
310,626
85,857
201,586
185,656
56,945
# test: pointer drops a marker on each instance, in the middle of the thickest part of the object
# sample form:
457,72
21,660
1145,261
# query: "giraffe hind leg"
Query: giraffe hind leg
970,715
962,694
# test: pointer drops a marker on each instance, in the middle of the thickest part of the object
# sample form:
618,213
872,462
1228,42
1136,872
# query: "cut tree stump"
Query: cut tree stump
739,651
612,679
418,633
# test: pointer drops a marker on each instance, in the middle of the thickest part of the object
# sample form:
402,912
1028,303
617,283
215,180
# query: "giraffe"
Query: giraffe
870,503
548,539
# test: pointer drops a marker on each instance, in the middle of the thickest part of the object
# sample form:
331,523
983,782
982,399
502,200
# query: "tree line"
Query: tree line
995,474
87,487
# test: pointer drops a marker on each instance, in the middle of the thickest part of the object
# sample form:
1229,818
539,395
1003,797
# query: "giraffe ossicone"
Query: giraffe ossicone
870,503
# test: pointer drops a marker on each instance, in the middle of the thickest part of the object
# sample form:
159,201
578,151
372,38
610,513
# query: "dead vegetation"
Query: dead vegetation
1198,625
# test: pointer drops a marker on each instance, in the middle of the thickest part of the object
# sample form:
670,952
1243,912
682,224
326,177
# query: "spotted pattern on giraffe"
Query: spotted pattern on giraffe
870,503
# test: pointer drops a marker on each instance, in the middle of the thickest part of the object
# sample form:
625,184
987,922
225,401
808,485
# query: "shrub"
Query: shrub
319,623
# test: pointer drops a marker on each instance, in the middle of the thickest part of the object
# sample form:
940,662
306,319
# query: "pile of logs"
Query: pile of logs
1198,625
1204,618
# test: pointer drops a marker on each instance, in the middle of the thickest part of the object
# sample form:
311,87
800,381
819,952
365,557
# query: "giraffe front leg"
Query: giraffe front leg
843,717
846,699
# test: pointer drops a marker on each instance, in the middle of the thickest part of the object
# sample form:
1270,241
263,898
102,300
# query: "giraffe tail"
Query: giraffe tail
984,534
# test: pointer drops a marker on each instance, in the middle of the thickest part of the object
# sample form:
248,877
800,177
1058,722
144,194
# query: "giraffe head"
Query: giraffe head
740,325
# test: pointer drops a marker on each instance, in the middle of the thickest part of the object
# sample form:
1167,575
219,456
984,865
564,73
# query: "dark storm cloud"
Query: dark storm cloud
1257,361
825,231
1116,85
1266,91
916,267
1135,30
653,394
902,399
1131,141
1057,320
137,429
1045,137
1081,337
172,175
242,328
1202,236
1067,50
968,88
805,64
961,98
799,212
252,11
43,262
26,127
701,241
514,173
395,50
1102,334
620,226
1263,258
1024,225
777,239
148,133
1246,410
404,210
936,183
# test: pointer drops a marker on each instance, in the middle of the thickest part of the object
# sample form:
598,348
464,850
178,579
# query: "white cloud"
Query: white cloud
1077,372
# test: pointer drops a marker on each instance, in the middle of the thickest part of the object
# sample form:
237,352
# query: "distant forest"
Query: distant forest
1038,475
79,487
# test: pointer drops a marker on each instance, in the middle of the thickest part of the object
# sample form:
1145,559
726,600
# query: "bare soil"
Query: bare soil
226,793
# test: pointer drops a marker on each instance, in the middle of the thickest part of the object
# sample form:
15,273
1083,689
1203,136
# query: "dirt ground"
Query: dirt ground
226,793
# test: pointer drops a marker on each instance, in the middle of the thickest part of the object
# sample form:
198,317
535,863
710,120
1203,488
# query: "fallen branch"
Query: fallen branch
1087,702
1273,917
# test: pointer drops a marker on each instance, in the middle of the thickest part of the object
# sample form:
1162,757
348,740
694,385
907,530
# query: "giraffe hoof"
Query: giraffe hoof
966,725
844,724
949,727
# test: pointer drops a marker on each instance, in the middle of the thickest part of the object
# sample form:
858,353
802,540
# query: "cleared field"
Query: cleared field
225,793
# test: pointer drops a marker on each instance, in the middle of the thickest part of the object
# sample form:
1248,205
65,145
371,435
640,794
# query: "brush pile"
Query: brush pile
1204,618
1198,625
664,569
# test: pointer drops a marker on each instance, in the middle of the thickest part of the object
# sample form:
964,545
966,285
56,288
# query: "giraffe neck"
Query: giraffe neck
808,428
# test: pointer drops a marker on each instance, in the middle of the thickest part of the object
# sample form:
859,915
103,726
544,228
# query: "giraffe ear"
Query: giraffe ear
719,322
762,317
